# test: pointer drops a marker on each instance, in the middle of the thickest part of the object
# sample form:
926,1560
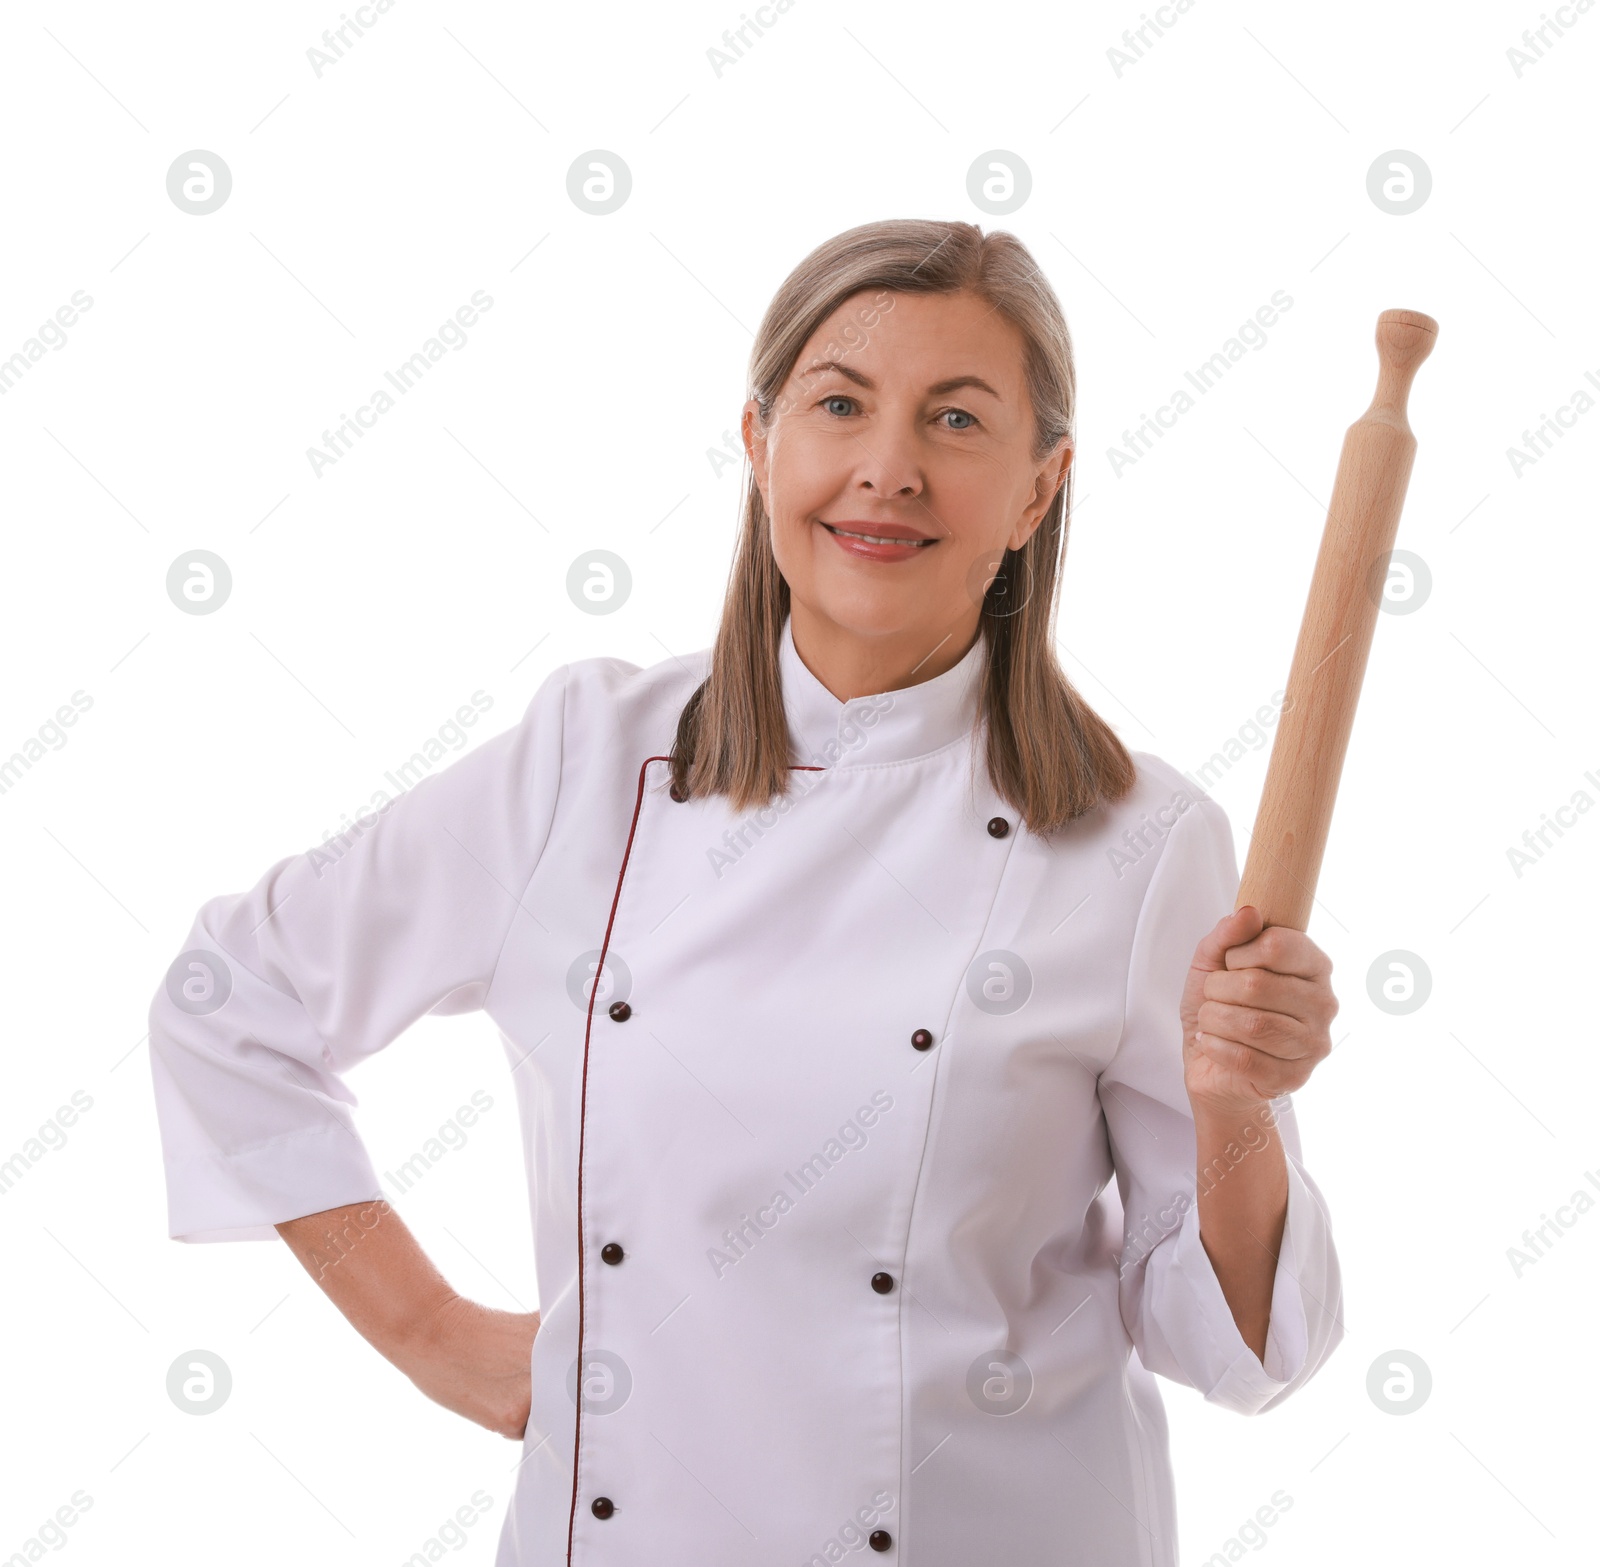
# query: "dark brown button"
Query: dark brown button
602,1507
880,1539
612,1253
998,827
678,794
921,1039
620,1011
883,1282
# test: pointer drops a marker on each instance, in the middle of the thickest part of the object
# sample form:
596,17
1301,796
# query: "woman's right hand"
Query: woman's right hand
470,1358
476,1361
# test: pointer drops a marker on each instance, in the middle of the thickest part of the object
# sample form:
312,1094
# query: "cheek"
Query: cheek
972,500
804,480
803,471
796,491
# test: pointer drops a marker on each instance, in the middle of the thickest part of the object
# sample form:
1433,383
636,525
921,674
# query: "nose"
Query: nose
887,466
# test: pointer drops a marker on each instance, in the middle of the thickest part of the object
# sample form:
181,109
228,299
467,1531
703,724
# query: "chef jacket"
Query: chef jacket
821,1105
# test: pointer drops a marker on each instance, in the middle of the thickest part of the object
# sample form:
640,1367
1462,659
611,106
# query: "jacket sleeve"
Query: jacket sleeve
280,990
1170,1299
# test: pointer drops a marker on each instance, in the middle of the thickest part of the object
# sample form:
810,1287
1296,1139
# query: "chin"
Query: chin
864,609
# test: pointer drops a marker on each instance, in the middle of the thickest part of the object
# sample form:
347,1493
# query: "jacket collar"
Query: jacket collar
893,726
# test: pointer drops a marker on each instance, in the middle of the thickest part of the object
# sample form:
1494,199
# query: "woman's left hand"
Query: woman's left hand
1256,1008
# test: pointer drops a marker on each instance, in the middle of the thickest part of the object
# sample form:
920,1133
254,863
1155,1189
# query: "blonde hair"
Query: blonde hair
1048,753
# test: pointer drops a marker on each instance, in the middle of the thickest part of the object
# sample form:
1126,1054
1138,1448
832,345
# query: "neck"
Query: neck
851,664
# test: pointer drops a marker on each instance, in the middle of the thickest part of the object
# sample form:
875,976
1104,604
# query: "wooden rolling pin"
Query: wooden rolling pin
1291,830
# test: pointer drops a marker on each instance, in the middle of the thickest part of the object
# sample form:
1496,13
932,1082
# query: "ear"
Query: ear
1052,474
757,447
754,436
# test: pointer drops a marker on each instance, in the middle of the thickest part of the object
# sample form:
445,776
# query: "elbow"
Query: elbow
1248,1388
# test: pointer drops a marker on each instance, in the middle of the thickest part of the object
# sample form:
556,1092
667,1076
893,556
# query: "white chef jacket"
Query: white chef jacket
820,1164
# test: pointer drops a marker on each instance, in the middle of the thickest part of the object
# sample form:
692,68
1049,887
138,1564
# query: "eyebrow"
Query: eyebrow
938,389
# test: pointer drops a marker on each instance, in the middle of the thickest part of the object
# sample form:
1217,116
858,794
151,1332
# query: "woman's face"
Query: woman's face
905,415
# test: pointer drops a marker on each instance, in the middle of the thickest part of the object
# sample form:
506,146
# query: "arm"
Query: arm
1187,1162
1242,1218
281,989
470,1358
1266,1002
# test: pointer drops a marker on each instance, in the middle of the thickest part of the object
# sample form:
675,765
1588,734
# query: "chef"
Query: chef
901,1091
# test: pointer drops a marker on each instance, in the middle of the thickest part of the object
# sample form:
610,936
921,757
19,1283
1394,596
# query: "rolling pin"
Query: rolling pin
1330,657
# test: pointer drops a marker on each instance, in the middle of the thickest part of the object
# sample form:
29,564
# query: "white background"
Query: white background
1168,203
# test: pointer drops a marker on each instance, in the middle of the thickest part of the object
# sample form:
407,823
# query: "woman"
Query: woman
840,968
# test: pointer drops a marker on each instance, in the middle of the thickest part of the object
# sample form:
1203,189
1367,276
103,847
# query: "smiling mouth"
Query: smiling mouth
877,538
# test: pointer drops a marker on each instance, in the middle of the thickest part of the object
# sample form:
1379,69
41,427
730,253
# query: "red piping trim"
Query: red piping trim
583,1121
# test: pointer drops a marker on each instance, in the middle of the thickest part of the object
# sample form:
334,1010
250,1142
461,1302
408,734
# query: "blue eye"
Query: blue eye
960,413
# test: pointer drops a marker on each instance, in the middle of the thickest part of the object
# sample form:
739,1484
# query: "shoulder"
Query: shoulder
1130,837
605,699
1164,792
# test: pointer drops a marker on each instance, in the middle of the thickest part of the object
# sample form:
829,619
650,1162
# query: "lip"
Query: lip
864,550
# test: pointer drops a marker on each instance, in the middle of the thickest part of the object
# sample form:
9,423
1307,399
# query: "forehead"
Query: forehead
921,337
